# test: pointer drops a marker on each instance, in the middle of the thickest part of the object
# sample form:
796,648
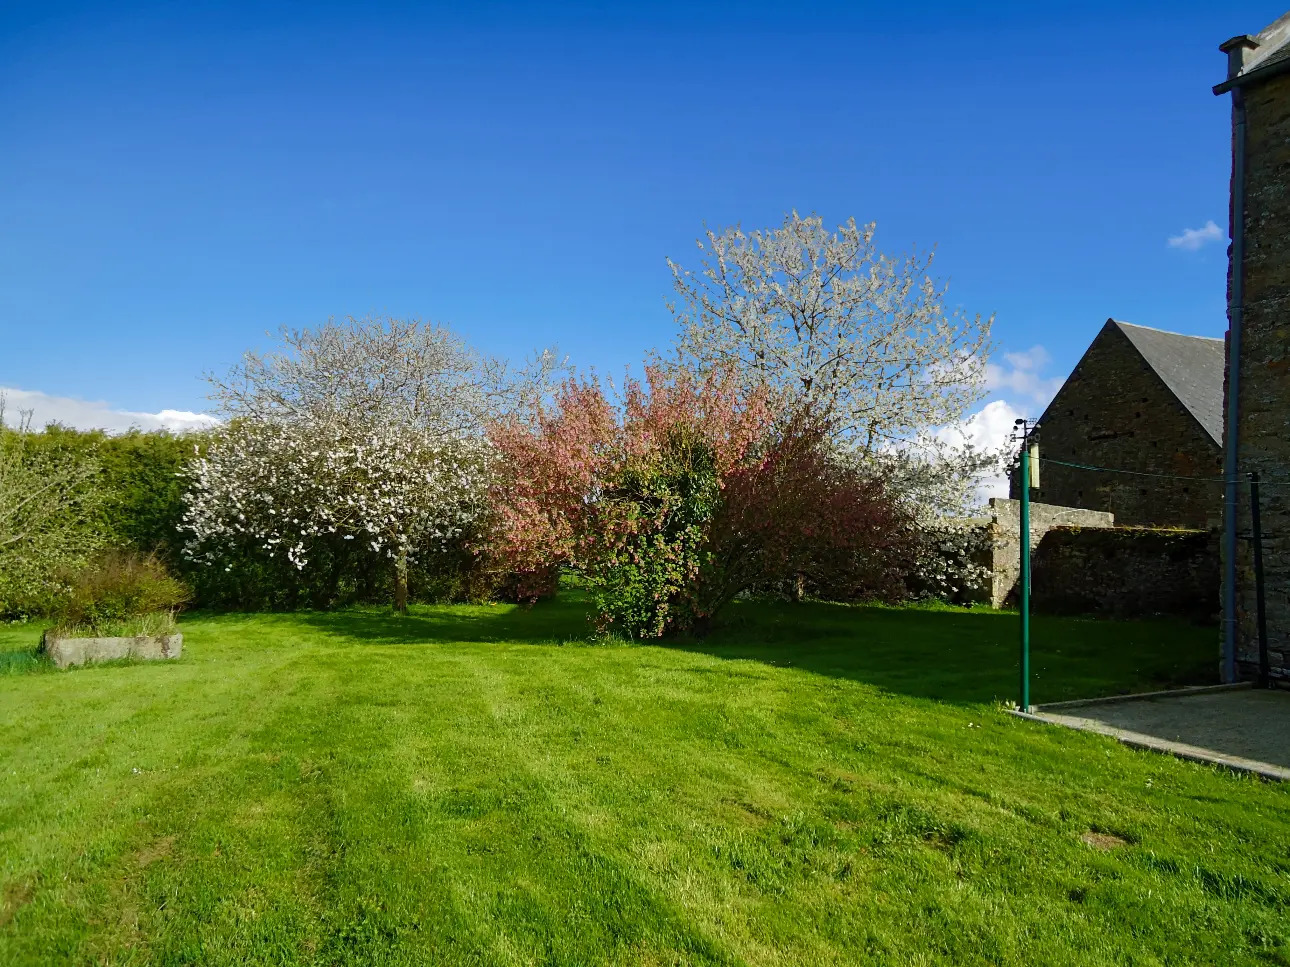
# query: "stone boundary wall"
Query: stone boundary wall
1005,538
1127,572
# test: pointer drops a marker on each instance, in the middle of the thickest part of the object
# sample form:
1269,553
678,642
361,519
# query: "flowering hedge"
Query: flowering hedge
292,485
951,561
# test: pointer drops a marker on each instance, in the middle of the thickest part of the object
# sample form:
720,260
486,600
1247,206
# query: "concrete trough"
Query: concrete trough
79,651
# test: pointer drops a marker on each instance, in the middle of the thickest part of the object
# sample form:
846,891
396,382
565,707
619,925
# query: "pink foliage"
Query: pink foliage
798,513
552,467
712,410
690,493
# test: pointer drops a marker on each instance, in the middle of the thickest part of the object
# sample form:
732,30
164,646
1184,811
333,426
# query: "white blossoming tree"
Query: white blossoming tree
366,429
822,318
825,318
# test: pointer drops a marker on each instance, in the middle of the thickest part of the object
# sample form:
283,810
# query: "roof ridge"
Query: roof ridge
1271,39
1167,332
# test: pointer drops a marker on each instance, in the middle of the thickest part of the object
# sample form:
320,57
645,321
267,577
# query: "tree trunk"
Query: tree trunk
799,588
401,582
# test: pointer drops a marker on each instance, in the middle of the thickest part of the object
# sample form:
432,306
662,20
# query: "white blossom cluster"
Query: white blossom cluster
416,373
398,488
938,482
368,429
951,559
825,318
935,479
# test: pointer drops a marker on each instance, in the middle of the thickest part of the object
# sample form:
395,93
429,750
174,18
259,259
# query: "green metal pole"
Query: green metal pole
1025,573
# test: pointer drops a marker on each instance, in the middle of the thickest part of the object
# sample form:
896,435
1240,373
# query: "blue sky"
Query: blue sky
178,178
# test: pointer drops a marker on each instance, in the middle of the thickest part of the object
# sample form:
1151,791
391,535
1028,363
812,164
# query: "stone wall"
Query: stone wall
1005,538
1264,406
1126,572
1114,411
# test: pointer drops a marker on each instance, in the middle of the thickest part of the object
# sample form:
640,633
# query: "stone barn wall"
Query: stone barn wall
1263,442
1114,411
1082,563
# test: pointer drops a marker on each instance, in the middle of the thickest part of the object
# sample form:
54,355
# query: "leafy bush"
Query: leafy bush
118,587
657,509
150,625
801,517
122,491
144,483
696,494
951,561
50,517
126,491
139,477
243,576
624,501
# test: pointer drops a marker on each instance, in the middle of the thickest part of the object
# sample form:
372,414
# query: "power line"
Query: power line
1268,483
1135,473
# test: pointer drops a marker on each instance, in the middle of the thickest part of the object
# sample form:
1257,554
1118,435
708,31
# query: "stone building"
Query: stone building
1257,398
1144,401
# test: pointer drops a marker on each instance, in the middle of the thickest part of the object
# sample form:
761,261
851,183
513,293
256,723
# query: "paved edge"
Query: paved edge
1181,750
1169,693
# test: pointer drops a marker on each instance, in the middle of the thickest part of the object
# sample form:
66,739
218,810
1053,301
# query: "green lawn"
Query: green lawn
813,784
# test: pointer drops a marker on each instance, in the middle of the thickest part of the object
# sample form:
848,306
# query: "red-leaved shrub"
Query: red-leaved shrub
691,494
797,513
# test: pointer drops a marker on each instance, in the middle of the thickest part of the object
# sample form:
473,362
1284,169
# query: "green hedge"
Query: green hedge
139,507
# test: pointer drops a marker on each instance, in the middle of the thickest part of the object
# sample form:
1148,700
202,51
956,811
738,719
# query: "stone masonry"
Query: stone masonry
1263,442
79,651
1115,410
1005,538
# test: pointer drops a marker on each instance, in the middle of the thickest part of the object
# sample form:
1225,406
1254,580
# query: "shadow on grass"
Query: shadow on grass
554,621
949,654
967,655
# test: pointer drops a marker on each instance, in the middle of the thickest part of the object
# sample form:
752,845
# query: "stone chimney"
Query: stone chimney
1238,51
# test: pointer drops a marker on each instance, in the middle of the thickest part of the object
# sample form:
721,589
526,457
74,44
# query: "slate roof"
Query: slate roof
1191,366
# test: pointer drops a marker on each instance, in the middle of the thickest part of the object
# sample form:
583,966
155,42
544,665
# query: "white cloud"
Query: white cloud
1022,375
1193,238
86,415
987,430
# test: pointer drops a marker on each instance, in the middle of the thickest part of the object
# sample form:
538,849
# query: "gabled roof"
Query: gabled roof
1191,366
